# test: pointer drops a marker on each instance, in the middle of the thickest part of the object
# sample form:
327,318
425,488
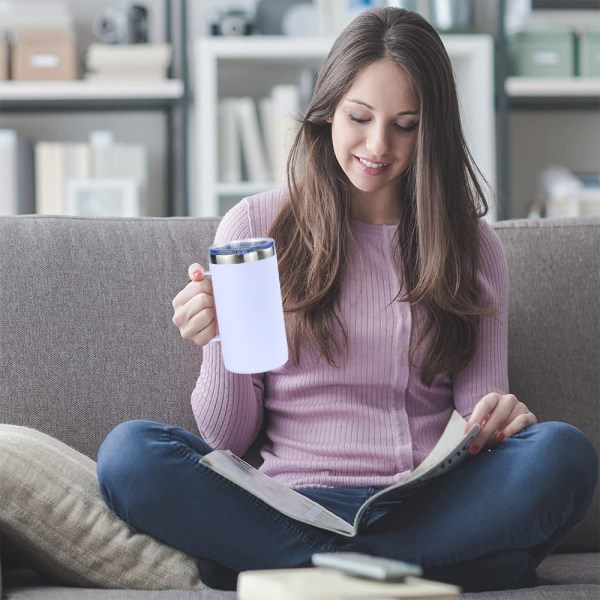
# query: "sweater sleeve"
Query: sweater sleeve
228,407
488,370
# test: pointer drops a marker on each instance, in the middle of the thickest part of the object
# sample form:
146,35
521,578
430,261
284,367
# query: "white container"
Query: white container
248,302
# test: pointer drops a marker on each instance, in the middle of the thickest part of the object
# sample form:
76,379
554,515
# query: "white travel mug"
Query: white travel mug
248,302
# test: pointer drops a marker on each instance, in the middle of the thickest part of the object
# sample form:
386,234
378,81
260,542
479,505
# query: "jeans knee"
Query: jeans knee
574,456
121,459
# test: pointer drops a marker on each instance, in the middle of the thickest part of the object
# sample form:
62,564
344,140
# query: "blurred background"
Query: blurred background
182,107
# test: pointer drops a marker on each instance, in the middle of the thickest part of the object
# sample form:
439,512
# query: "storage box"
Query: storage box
548,53
589,53
44,55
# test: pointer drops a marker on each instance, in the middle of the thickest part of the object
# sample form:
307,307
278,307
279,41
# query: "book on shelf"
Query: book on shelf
329,584
60,166
254,158
55,164
16,174
451,449
230,165
128,61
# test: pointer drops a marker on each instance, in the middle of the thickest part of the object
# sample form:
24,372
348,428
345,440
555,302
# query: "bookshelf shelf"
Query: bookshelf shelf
251,66
18,95
569,87
567,92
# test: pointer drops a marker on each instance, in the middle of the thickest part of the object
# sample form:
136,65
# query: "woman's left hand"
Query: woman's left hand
499,416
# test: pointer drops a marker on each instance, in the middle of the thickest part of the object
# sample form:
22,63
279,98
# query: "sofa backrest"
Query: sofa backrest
554,330
86,338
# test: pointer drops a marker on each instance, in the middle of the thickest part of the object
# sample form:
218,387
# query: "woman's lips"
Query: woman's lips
370,167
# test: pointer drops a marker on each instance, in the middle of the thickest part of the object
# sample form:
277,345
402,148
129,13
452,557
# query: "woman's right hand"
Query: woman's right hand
194,308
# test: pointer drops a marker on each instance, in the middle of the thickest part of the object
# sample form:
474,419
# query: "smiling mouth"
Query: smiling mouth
371,165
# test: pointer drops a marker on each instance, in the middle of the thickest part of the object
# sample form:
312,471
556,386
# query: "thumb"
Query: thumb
196,272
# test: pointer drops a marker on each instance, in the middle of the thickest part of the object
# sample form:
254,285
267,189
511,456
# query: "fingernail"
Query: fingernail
474,449
197,274
500,437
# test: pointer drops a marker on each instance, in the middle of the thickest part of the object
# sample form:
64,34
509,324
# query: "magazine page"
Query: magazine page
286,500
451,450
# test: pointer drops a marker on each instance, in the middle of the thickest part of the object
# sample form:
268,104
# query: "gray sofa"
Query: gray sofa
86,341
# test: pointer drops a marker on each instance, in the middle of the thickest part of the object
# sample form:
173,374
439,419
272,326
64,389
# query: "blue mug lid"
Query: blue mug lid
240,251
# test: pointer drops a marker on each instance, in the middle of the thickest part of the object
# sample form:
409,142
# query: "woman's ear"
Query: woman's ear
330,119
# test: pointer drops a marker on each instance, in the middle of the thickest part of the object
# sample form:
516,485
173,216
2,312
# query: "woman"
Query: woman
396,304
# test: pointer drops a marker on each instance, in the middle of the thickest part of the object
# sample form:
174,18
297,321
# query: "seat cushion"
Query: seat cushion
573,568
24,584
53,517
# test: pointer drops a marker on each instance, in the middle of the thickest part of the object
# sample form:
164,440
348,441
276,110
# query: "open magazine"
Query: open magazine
451,449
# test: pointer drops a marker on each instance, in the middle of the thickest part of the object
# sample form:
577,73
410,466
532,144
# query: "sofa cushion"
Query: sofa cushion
51,508
24,584
578,567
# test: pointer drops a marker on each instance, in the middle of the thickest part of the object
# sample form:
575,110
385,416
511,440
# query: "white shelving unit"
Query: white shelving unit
17,93
252,65
150,113
563,87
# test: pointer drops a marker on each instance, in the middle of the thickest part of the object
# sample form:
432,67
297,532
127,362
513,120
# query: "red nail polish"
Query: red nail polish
500,437
197,274
474,449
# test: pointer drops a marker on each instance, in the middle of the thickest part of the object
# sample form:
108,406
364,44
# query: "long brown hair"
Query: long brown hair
439,206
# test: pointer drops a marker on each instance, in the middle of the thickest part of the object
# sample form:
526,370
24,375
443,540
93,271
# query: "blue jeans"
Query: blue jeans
514,503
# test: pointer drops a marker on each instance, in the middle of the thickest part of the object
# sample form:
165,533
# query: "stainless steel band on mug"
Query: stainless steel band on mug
241,251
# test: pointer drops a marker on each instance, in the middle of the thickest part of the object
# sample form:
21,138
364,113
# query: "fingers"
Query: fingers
482,409
499,417
519,422
194,310
198,284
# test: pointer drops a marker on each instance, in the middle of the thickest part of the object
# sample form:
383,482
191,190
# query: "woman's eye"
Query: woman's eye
357,119
406,128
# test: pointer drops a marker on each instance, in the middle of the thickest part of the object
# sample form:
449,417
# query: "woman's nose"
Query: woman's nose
377,141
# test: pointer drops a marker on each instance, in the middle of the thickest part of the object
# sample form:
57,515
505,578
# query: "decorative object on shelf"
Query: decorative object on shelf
103,198
40,54
452,15
230,22
122,24
131,62
301,20
565,193
137,18
271,14
543,52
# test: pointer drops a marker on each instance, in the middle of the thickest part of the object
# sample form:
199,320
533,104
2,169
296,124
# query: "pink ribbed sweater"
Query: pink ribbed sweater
370,421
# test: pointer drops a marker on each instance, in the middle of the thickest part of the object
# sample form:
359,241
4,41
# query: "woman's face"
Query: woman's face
374,130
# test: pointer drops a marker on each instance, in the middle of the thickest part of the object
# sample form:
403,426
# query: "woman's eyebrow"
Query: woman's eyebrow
361,102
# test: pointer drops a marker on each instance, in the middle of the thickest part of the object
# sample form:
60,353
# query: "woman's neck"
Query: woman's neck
375,213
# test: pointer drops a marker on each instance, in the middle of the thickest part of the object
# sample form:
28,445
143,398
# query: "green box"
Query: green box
589,53
547,53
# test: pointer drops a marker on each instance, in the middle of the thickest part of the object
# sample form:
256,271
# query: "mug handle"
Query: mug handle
217,338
